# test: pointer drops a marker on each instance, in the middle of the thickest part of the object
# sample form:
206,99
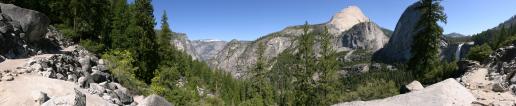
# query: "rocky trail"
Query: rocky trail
72,76
12,64
482,88
22,90
24,87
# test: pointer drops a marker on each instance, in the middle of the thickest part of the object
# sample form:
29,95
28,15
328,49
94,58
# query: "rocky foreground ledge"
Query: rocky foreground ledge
75,77
446,93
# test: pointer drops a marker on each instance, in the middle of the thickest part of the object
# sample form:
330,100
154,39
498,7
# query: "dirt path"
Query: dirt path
19,91
12,64
480,86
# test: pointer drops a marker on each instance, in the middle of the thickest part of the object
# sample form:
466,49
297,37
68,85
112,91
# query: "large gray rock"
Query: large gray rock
123,96
398,49
155,100
12,43
445,93
96,89
414,86
399,46
39,97
75,99
33,23
2,58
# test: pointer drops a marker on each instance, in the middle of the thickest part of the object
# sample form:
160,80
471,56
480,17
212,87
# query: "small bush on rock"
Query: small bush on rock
479,53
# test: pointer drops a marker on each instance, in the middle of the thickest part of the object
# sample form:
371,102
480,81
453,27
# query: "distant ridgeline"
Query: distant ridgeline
499,36
350,28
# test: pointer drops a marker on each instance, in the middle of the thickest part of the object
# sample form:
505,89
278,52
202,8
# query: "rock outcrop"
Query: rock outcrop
398,49
33,23
502,69
445,93
181,42
40,97
413,86
155,100
75,99
365,35
346,18
24,33
13,42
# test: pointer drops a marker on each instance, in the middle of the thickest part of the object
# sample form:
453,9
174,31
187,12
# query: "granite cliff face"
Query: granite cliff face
350,28
199,49
207,49
364,36
398,49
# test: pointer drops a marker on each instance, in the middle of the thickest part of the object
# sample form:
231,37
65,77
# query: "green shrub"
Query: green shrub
92,46
67,32
372,89
479,53
510,40
445,70
121,68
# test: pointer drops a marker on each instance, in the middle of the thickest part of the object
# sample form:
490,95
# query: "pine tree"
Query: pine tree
305,85
261,87
282,78
119,24
146,50
327,69
165,34
425,48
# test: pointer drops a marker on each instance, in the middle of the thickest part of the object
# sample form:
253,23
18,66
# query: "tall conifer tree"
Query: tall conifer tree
425,46
147,49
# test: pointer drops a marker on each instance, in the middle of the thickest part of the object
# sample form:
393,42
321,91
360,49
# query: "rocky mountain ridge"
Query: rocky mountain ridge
350,28
199,49
454,35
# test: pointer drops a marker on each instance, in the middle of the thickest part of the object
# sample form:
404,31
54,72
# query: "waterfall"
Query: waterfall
457,53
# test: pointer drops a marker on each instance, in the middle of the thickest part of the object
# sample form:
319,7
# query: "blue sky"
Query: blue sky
250,19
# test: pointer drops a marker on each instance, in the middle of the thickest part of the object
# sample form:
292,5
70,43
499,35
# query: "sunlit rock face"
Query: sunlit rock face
345,19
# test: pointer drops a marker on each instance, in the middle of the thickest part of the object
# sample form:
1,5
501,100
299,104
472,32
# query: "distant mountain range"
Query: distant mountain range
350,27
454,35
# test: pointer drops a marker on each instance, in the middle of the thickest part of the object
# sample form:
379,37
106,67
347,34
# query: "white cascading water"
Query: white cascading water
457,53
